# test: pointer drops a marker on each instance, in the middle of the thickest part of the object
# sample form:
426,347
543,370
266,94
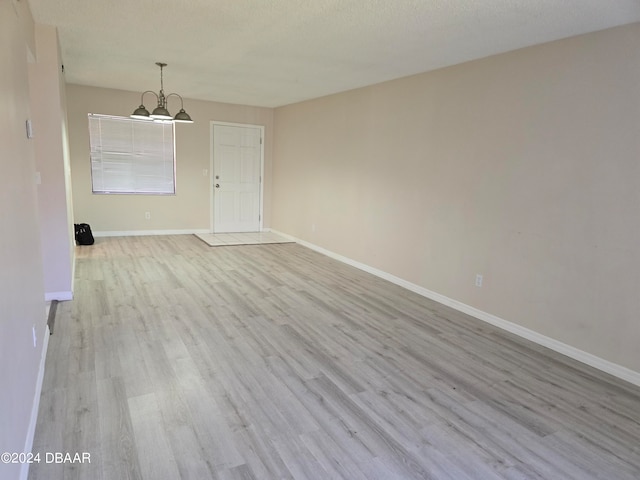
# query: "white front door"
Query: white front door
237,166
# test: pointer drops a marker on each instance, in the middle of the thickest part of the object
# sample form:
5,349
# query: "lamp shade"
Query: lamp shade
161,113
182,117
141,113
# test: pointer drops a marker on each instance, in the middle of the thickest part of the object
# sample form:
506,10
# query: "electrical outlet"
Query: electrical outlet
147,215
478,280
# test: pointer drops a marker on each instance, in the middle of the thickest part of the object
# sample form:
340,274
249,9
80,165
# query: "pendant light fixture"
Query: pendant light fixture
160,113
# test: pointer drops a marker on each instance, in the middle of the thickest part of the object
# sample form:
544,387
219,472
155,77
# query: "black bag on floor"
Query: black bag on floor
83,234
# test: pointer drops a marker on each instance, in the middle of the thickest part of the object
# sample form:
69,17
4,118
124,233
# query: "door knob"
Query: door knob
217,185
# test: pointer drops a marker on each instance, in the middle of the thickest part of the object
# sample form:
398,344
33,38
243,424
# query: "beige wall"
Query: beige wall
523,167
22,307
190,208
46,85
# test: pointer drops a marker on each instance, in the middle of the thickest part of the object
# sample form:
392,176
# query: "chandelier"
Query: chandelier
160,113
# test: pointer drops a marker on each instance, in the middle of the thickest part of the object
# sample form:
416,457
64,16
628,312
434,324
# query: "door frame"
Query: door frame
212,124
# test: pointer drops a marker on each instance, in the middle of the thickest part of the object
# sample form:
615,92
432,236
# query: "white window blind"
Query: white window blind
131,156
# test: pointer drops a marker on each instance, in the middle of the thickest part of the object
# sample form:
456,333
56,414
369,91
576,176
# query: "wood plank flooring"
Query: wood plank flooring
181,361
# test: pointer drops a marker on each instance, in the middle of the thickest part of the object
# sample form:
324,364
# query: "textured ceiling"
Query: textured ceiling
275,52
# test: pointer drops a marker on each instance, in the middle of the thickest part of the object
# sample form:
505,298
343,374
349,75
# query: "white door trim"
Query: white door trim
212,124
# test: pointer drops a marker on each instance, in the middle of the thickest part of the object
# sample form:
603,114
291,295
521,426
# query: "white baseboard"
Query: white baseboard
611,368
60,296
28,445
138,233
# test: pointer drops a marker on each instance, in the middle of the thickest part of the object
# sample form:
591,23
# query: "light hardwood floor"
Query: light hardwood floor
181,361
